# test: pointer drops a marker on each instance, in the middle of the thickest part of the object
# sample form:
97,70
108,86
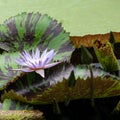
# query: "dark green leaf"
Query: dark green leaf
86,57
32,88
7,63
29,30
71,79
111,39
106,56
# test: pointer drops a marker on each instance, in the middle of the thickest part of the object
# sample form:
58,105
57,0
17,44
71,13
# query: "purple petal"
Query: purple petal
24,70
49,56
51,53
20,62
37,54
40,65
33,54
44,62
51,65
27,56
35,61
43,55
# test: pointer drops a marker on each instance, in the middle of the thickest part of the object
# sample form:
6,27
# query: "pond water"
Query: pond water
79,17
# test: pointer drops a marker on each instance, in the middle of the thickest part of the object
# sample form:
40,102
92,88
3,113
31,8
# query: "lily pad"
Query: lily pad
31,30
37,90
28,31
88,40
7,63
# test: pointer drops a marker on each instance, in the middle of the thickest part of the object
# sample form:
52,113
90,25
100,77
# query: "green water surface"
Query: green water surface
79,17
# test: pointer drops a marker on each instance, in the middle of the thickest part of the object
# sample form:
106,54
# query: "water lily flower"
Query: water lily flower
35,61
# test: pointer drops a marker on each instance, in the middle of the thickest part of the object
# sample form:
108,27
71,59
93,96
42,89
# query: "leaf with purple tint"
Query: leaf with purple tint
29,30
7,63
33,89
26,31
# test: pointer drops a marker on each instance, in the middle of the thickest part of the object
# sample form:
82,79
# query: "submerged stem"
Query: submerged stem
91,86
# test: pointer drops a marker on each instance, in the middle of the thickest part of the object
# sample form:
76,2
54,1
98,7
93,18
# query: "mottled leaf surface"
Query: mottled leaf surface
105,55
29,30
103,88
36,90
7,63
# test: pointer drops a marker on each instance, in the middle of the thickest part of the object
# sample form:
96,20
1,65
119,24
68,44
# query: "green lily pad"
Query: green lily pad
36,90
31,30
26,31
7,63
